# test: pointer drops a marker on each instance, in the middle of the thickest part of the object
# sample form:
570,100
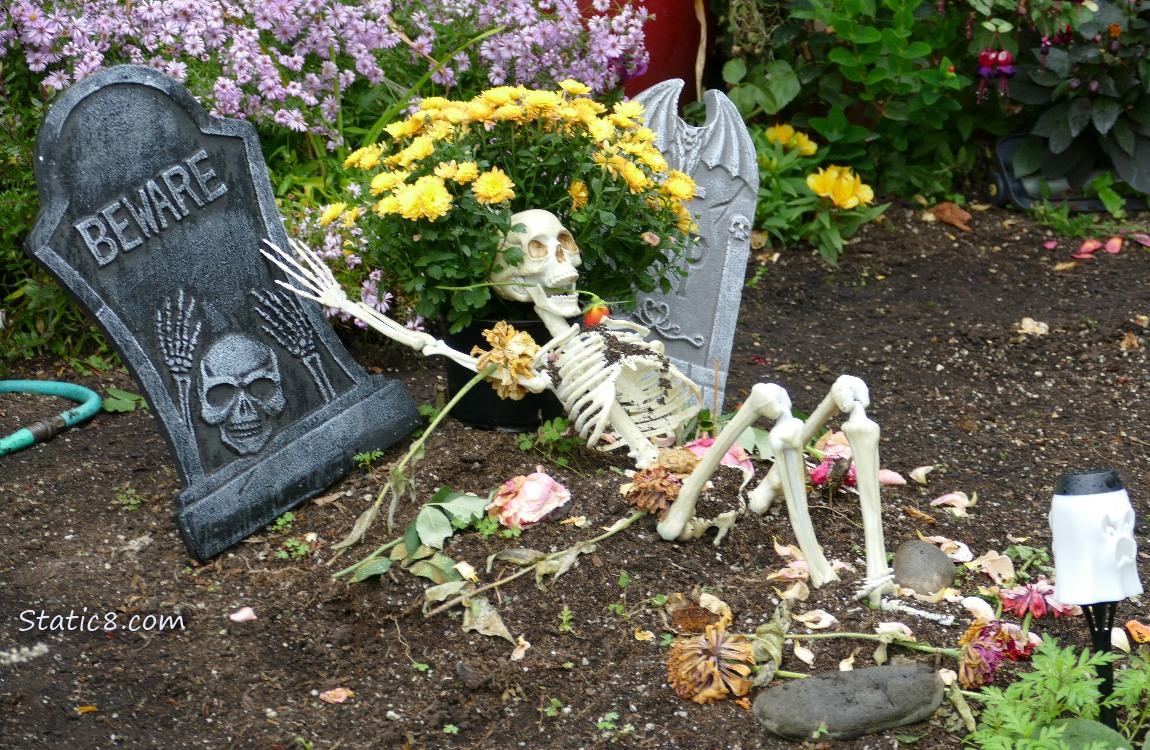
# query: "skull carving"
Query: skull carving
550,257
241,391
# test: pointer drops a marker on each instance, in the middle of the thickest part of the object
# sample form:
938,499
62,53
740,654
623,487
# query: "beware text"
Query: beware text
124,224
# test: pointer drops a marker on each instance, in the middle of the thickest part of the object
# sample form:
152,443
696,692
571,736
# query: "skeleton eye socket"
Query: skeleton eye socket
262,388
568,250
221,394
536,249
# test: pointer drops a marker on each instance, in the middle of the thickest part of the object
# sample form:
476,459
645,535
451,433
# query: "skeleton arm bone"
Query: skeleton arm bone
863,435
320,285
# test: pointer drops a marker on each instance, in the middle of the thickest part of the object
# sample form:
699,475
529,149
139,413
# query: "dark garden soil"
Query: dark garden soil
927,315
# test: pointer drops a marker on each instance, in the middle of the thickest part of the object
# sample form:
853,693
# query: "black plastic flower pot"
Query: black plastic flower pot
481,406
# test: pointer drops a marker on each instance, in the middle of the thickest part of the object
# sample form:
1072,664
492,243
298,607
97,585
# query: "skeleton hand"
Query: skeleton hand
178,337
312,274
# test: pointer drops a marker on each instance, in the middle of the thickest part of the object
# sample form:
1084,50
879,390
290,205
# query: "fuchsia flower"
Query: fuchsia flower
1034,599
522,502
736,456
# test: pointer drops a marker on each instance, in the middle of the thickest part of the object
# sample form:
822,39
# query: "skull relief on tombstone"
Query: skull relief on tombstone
241,391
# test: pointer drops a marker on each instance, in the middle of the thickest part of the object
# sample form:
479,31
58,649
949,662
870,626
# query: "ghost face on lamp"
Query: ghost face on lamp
1094,549
546,276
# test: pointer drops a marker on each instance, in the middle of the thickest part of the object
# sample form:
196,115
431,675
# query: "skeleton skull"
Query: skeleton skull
241,391
550,257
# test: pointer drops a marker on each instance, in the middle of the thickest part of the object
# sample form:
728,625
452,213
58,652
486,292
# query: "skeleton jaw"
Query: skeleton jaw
564,304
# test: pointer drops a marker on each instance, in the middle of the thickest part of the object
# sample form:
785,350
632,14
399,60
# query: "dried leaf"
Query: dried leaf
443,591
484,619
847,664
85,709
1139,632
520,556
804,654
1065,265
687,616
562,562
918,514
520,649
951,214
798,592
919,474
362,524
1129,342
644,635
712,603
336,695
1032,327
817,619
578,522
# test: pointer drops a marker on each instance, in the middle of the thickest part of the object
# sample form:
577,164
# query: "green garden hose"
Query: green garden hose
46,429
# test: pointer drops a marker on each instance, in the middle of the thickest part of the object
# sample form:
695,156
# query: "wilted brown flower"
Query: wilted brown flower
654,489
711,666
511,353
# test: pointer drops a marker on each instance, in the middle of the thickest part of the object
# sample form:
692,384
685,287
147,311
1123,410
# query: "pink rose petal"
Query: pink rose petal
1113,245
1141,238
1082,256
890,478
336,695
1089,246
243,614
1050,244
736,456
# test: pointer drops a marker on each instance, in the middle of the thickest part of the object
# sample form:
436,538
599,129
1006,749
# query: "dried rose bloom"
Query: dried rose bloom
511,352
1036,599
711,666
654,489
522,502
984,646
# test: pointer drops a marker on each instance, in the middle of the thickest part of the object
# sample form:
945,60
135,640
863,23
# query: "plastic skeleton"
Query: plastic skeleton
610,376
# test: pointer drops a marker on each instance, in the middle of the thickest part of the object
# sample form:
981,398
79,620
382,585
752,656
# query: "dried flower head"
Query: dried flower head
654,489
711,666
511,352
522,502
1036,599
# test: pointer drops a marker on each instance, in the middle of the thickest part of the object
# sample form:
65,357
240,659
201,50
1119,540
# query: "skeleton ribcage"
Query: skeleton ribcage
598,367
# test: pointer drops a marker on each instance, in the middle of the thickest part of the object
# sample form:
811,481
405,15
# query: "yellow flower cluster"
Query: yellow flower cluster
844,188
415,176
788,137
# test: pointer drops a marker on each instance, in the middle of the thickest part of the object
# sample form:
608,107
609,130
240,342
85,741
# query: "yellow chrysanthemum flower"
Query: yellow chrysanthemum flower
352,161
541,101
803,144
385,181
467,172
864,193
433,103
781,134
579,195
349,217
493,186
331,213
480,110
446,169
636,179
426,198
420,148
600,130
686,220
630,109
386,206
679,186
511,112
574,88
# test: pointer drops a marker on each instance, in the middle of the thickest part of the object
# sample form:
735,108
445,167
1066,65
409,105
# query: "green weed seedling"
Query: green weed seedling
283,523
128,497
553,440
553,708
566,616
450,729
292,548
365,460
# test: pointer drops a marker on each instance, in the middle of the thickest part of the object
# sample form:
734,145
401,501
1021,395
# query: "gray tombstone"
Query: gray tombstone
152,216
696,319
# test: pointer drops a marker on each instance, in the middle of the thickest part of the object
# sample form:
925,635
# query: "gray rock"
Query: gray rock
845,705
923,567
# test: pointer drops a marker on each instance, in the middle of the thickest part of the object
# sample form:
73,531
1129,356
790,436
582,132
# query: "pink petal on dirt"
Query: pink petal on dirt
1082,256
1089,246
890,478
1141,238
1050,244
1113,245
243,614
336,695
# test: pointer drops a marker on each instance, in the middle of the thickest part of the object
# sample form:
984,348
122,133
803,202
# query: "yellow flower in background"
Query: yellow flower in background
841,185
386,206
679,186
541,101
349,217
600,130
426,198
781,134
434,102
578,193
480,110
686,220
493,186
467,172
385,181
446,170
501,95
331,213
575,88
803,144
363,158
630,109
509,112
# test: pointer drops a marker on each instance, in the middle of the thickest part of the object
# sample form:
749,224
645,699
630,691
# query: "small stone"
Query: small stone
922,567
846,705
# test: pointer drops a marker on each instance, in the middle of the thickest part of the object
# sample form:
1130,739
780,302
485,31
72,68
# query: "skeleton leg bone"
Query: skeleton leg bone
863,435
771,401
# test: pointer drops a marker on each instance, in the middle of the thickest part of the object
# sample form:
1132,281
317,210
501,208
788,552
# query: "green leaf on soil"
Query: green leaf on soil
439,569
433,526
376,567
520,556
